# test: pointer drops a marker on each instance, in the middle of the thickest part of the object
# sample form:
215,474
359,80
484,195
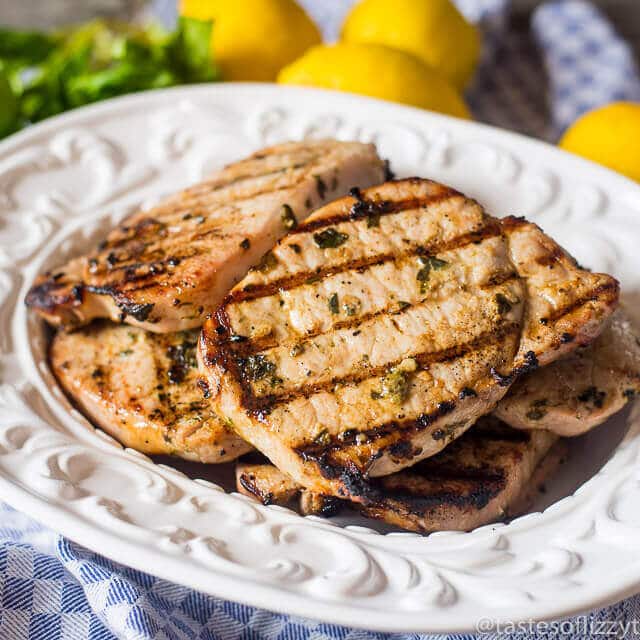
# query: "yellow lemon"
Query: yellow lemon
608,135
433,30
377,71
253,39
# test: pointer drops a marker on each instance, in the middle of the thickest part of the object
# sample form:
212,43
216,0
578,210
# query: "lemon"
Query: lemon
377,71
253,39
608,135
8,106
433,30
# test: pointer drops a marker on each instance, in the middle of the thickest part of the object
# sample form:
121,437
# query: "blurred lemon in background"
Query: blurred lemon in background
433,30
377,71
253,39
8,106
608,135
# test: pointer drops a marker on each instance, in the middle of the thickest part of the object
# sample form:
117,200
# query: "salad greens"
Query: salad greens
42,74
8,106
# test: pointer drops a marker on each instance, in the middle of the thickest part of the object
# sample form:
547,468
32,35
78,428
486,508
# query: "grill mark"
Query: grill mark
372,492
128,307
252,176
204,233
270,189
248,347
495,434
252,488
530,362
611,286
216,230
118,288
124,266
514,222
485,472
330,468
550,258
180,208
160,267
381,208
244,197
198,197
253,292
50,294
265,404
113,290
183,239
311,160
480,492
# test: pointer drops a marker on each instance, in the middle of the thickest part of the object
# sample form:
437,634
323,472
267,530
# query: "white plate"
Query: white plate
66,181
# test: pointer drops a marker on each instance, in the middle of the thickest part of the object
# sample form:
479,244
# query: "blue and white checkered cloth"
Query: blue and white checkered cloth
537,81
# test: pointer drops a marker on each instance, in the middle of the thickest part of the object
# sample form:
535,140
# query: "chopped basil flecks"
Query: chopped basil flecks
256,367
433,263
288,217
373,218
429,264
334,304
396,384
351,305
323,438
267,263
296,350
330,238
423,275
504,304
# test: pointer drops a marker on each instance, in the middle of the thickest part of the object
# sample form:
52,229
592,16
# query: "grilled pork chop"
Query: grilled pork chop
486,475
166,268
385,326
579,392
141,388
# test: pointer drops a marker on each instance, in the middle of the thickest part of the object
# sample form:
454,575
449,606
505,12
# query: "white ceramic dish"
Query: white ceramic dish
66,181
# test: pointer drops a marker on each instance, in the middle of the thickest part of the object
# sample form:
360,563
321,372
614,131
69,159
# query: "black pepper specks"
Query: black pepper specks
204,387
537,410
592,395
321,187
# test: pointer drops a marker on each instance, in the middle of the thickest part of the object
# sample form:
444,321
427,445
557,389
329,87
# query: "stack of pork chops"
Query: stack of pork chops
384,345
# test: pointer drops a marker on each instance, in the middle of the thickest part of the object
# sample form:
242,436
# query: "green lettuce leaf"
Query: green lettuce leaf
26,46
51,73
8,106
190,51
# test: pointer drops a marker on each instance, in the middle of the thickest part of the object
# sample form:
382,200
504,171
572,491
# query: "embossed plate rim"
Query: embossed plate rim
350,610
